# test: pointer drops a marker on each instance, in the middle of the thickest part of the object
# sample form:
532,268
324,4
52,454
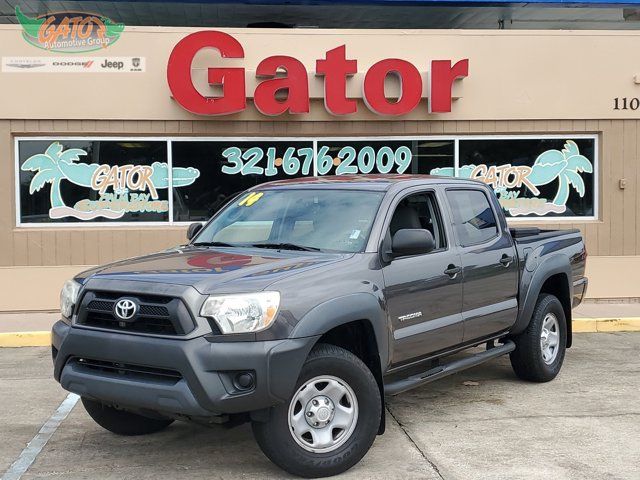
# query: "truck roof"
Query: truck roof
379,182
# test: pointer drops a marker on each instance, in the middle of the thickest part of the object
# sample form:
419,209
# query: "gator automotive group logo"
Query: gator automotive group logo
69,32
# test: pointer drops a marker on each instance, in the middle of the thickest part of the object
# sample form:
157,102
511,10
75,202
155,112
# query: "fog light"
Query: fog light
244,381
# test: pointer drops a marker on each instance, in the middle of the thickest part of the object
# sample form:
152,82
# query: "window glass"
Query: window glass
245,232
419,211
229,167
534,177
95,180
472,216
385,156
98,181
325,219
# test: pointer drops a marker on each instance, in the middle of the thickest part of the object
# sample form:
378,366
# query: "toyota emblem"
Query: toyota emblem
125,309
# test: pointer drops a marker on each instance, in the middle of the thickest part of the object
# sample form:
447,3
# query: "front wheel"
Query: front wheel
541,347
330,421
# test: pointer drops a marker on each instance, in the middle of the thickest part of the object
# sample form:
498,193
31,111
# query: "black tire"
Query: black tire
527,359
277,442
122,422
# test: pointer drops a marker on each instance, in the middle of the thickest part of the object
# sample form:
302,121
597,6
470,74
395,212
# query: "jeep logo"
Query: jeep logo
115,65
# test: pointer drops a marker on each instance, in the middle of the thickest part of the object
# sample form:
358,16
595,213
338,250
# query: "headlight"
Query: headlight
68,297
249,312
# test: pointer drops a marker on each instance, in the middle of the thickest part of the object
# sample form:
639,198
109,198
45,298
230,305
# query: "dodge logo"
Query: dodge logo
125,309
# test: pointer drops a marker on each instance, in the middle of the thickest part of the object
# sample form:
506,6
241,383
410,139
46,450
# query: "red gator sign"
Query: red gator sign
334,67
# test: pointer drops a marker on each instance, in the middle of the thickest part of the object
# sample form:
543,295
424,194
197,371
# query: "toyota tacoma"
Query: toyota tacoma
302,303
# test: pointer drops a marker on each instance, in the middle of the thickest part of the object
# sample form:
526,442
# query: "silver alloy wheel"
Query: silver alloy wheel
323,414
550,338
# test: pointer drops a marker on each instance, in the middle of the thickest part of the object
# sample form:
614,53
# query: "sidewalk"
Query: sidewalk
607,310
32,328
29,329
27,322
607,317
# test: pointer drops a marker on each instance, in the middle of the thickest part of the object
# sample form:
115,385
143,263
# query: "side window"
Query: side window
419,210
472,215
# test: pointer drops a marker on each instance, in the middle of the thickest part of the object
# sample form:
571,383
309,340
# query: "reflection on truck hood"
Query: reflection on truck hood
209,269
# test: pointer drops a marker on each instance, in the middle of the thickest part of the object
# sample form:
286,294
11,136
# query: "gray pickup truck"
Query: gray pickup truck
302,303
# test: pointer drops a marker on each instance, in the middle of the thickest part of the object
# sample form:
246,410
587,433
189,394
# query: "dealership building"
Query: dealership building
133,122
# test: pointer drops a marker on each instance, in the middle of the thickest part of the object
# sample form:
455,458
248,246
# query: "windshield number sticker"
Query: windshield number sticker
250,199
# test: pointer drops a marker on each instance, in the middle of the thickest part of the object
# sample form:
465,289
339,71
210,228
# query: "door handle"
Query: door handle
453,270
506,260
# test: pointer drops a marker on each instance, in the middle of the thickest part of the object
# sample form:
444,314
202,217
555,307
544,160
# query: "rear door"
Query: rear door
423,292
489,300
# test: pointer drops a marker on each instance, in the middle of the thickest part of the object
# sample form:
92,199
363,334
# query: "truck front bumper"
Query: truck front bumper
193,378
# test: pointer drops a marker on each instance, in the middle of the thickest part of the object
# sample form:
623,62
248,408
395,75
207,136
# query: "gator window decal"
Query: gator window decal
104,190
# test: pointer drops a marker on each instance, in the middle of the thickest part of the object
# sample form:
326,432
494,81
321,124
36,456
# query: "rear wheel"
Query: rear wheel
331,419
540,349
122,422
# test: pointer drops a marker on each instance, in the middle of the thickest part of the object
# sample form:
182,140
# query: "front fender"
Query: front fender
531,285
342,310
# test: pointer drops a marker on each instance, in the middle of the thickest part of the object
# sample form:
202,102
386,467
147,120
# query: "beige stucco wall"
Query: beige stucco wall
512,74
613,241
615,233
37,288
519,83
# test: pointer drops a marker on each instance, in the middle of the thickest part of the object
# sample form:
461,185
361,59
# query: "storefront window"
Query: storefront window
65,181
534,177
127,180
229,167
341,157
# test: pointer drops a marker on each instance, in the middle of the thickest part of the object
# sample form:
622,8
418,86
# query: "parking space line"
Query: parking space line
37,443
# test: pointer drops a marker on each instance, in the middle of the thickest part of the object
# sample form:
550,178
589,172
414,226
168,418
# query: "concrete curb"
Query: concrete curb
591,325
25,339
580,325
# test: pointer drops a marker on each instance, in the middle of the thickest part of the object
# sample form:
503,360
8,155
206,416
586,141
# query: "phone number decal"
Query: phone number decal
301,161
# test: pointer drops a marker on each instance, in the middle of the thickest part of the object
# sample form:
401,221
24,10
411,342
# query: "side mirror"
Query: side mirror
193,230
412,241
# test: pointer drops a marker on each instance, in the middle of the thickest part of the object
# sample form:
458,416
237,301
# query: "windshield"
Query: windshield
314,220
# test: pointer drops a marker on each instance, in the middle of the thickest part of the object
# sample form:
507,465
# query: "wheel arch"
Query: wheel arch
553,277
357,307
558,286
356,323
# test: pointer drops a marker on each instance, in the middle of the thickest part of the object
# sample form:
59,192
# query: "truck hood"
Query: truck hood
209,270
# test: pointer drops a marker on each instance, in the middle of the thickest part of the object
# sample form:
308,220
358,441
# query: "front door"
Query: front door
423,292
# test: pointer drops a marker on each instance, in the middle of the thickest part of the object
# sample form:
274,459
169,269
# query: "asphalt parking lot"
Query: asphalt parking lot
583,425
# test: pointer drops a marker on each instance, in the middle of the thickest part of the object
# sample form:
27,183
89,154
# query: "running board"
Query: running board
440,371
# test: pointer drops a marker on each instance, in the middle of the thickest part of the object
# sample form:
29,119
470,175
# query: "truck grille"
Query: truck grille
128,370
156,314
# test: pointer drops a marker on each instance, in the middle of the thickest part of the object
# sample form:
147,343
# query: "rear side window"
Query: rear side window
473,217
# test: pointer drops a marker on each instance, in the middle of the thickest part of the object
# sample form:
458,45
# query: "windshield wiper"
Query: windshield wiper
286,246
214,244
275,246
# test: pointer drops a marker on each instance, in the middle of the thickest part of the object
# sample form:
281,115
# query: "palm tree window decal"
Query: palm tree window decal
56,164
566,166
